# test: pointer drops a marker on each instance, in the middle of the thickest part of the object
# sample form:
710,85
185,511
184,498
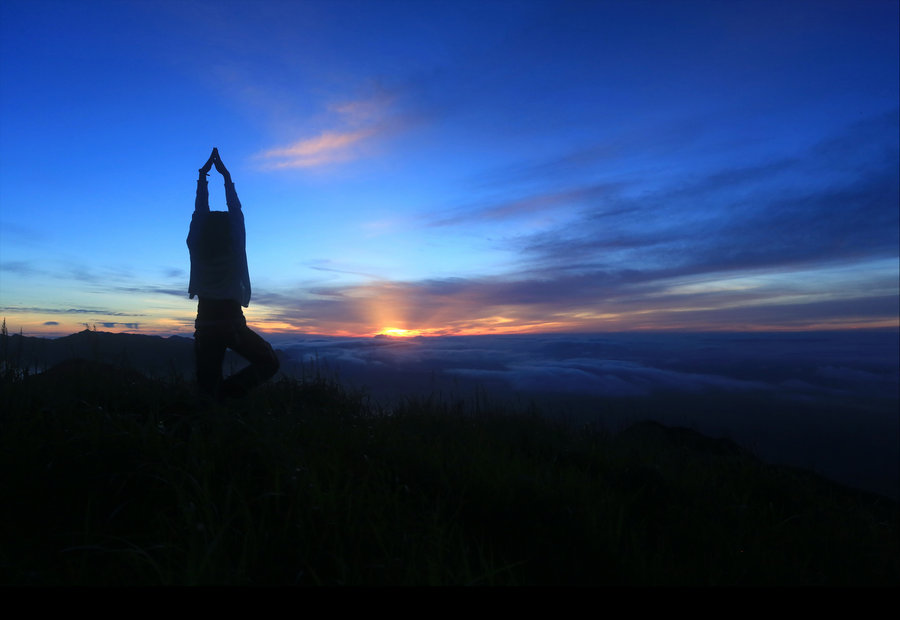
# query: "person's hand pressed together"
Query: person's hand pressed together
220,167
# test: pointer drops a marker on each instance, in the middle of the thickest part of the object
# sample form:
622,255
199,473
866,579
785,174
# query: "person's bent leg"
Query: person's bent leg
263,363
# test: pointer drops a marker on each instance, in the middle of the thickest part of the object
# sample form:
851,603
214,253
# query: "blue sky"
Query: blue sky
455,167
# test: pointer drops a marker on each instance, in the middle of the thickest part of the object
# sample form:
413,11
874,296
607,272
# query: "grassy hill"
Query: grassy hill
153,355
111,478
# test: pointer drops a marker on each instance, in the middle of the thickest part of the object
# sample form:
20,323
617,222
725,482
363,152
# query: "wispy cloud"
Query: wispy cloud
21,267
326,266
32,310
588,301
748,217
537,203
352,125
327,148
111,324
68,270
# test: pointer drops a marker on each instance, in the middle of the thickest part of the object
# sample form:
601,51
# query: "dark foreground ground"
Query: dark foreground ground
111,478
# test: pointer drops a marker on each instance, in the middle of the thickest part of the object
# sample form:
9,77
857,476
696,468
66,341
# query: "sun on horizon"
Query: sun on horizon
396,332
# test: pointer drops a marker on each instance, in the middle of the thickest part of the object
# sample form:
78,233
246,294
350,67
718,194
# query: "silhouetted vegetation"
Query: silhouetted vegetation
113,478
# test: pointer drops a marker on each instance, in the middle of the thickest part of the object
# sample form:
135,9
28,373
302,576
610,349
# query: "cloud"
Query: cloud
624,364
352,126
66,270
32,310
175,292
850,222
322,265
527,205
588,301
21,267
327,148
606,377
789,212
844,374
51,323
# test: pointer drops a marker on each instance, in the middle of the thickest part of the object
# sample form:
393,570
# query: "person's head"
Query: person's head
215,236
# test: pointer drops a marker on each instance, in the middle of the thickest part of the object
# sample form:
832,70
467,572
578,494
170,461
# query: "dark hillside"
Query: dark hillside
113,478
151,355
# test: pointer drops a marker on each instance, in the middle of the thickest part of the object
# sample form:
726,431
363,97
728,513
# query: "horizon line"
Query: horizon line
421,336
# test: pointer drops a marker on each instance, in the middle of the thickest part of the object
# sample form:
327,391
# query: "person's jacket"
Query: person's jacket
217,243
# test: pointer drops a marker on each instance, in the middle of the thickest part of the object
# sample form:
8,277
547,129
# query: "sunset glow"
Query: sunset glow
398,333
426,169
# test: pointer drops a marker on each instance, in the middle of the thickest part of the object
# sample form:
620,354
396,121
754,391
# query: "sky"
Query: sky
456,168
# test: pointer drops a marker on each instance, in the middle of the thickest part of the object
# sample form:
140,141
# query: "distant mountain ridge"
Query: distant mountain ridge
150,355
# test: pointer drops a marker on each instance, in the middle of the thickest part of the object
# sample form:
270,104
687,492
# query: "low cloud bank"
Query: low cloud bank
800,365
824,401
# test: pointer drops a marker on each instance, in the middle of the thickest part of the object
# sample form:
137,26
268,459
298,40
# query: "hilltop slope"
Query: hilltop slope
114,478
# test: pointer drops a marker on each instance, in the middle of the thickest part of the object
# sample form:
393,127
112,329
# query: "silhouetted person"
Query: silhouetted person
221,281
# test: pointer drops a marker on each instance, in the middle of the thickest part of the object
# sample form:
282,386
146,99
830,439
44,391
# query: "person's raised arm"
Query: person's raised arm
231,198
201,203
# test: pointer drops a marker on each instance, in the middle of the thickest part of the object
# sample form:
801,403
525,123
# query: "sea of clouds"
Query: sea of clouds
823,364
825,401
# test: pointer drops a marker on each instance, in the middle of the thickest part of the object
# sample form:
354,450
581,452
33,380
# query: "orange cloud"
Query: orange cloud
356,122
327,148
461,307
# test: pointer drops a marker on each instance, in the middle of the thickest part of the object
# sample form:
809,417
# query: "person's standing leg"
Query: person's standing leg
209,351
